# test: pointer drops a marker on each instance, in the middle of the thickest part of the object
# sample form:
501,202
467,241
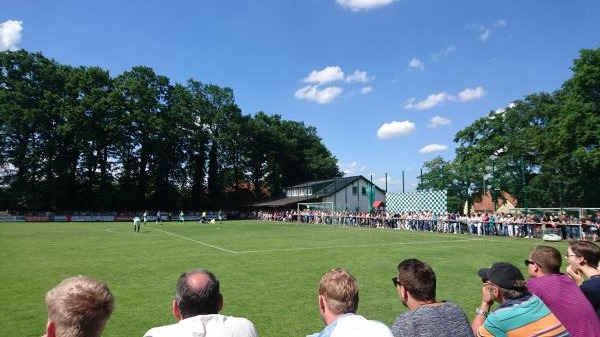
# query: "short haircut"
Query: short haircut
79,307
193,301
418,278
548,258
588,250
519,291
340,290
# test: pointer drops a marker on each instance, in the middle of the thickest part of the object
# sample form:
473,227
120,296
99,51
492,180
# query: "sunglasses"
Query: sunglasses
396,282
528,262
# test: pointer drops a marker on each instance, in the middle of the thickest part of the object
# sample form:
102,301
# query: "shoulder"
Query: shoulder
356,325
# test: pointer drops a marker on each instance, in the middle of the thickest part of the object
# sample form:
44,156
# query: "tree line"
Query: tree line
76,138
543,149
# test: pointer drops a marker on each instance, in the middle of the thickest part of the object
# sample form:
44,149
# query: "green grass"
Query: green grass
269,271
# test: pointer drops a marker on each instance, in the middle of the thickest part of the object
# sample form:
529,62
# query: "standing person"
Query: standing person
181,217
145,217
158,218
583,258
203,217
220,216
196,306
78,307
136,224
520,313
416,286
560,293
338,302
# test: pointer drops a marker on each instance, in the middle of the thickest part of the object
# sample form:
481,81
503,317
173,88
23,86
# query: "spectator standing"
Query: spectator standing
416,287
583,258
78,307
196,306
519,314
560,293
338,303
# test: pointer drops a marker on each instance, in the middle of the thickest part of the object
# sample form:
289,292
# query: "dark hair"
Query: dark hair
520,289
418,278
588,250
548,258
193,300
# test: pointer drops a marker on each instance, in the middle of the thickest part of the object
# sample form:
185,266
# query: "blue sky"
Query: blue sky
387,83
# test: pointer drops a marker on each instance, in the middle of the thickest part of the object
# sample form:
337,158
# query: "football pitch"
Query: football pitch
269,271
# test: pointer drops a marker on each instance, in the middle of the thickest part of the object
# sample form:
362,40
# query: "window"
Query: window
354,190
364,190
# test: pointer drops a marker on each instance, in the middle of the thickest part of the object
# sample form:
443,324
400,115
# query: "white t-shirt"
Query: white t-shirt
206,326
352,325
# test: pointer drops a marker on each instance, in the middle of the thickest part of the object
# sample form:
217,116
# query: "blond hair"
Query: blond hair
340,290
79,307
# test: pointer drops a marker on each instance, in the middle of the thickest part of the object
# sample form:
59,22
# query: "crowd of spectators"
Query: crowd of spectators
494,223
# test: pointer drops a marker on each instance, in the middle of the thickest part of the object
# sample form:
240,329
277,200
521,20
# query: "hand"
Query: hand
575,275
488,295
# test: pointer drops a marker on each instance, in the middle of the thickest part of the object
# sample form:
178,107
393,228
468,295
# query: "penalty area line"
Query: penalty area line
196,241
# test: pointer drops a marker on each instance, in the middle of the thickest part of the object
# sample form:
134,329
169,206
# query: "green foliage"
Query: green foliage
544,149
77,139
269,271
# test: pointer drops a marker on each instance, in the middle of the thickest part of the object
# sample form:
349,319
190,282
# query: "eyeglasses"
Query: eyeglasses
528,262
396,282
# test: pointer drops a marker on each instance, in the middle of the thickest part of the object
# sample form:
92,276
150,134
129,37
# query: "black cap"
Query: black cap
504,275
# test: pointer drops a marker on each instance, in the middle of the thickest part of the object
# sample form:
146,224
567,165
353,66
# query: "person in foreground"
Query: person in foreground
560,293
416,287
78,307
196,306
520,313
338,302
583,258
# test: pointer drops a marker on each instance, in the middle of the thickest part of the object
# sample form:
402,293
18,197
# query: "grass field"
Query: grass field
269,271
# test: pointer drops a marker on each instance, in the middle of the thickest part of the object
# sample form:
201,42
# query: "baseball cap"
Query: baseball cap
504,275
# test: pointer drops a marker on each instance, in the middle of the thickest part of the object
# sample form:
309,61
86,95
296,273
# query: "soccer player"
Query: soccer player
136,224
181,217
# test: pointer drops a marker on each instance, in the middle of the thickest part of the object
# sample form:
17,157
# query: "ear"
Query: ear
176,311
403,293
322,304
220,303
50,329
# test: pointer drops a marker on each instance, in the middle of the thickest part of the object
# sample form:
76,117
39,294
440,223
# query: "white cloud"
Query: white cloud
325,75
358,76
484,33
471,94
396,129
444,52
416,64
428,103
366,90
351,168
433,148
438,121
357,5
500,23
10,34
321,96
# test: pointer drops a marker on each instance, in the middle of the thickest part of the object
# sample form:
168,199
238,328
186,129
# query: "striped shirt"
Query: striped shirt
526,316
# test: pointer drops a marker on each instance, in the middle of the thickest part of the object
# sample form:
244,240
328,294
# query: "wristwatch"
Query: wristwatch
481,312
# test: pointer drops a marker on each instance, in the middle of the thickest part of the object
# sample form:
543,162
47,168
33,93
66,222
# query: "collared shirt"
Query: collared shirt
352,325
206,326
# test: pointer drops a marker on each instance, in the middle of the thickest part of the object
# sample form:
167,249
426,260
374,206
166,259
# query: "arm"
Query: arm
487,299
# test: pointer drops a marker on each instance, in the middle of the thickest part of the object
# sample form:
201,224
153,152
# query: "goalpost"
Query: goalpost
306,210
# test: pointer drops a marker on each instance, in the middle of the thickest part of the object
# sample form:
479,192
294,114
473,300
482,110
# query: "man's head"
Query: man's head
415,279
543,260
78,307
198,293
504,280
583,253
338,292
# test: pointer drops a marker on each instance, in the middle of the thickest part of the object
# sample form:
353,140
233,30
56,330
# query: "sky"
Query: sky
386,83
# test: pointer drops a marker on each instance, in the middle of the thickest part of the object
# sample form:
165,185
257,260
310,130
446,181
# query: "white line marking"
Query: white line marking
352,246
198,242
